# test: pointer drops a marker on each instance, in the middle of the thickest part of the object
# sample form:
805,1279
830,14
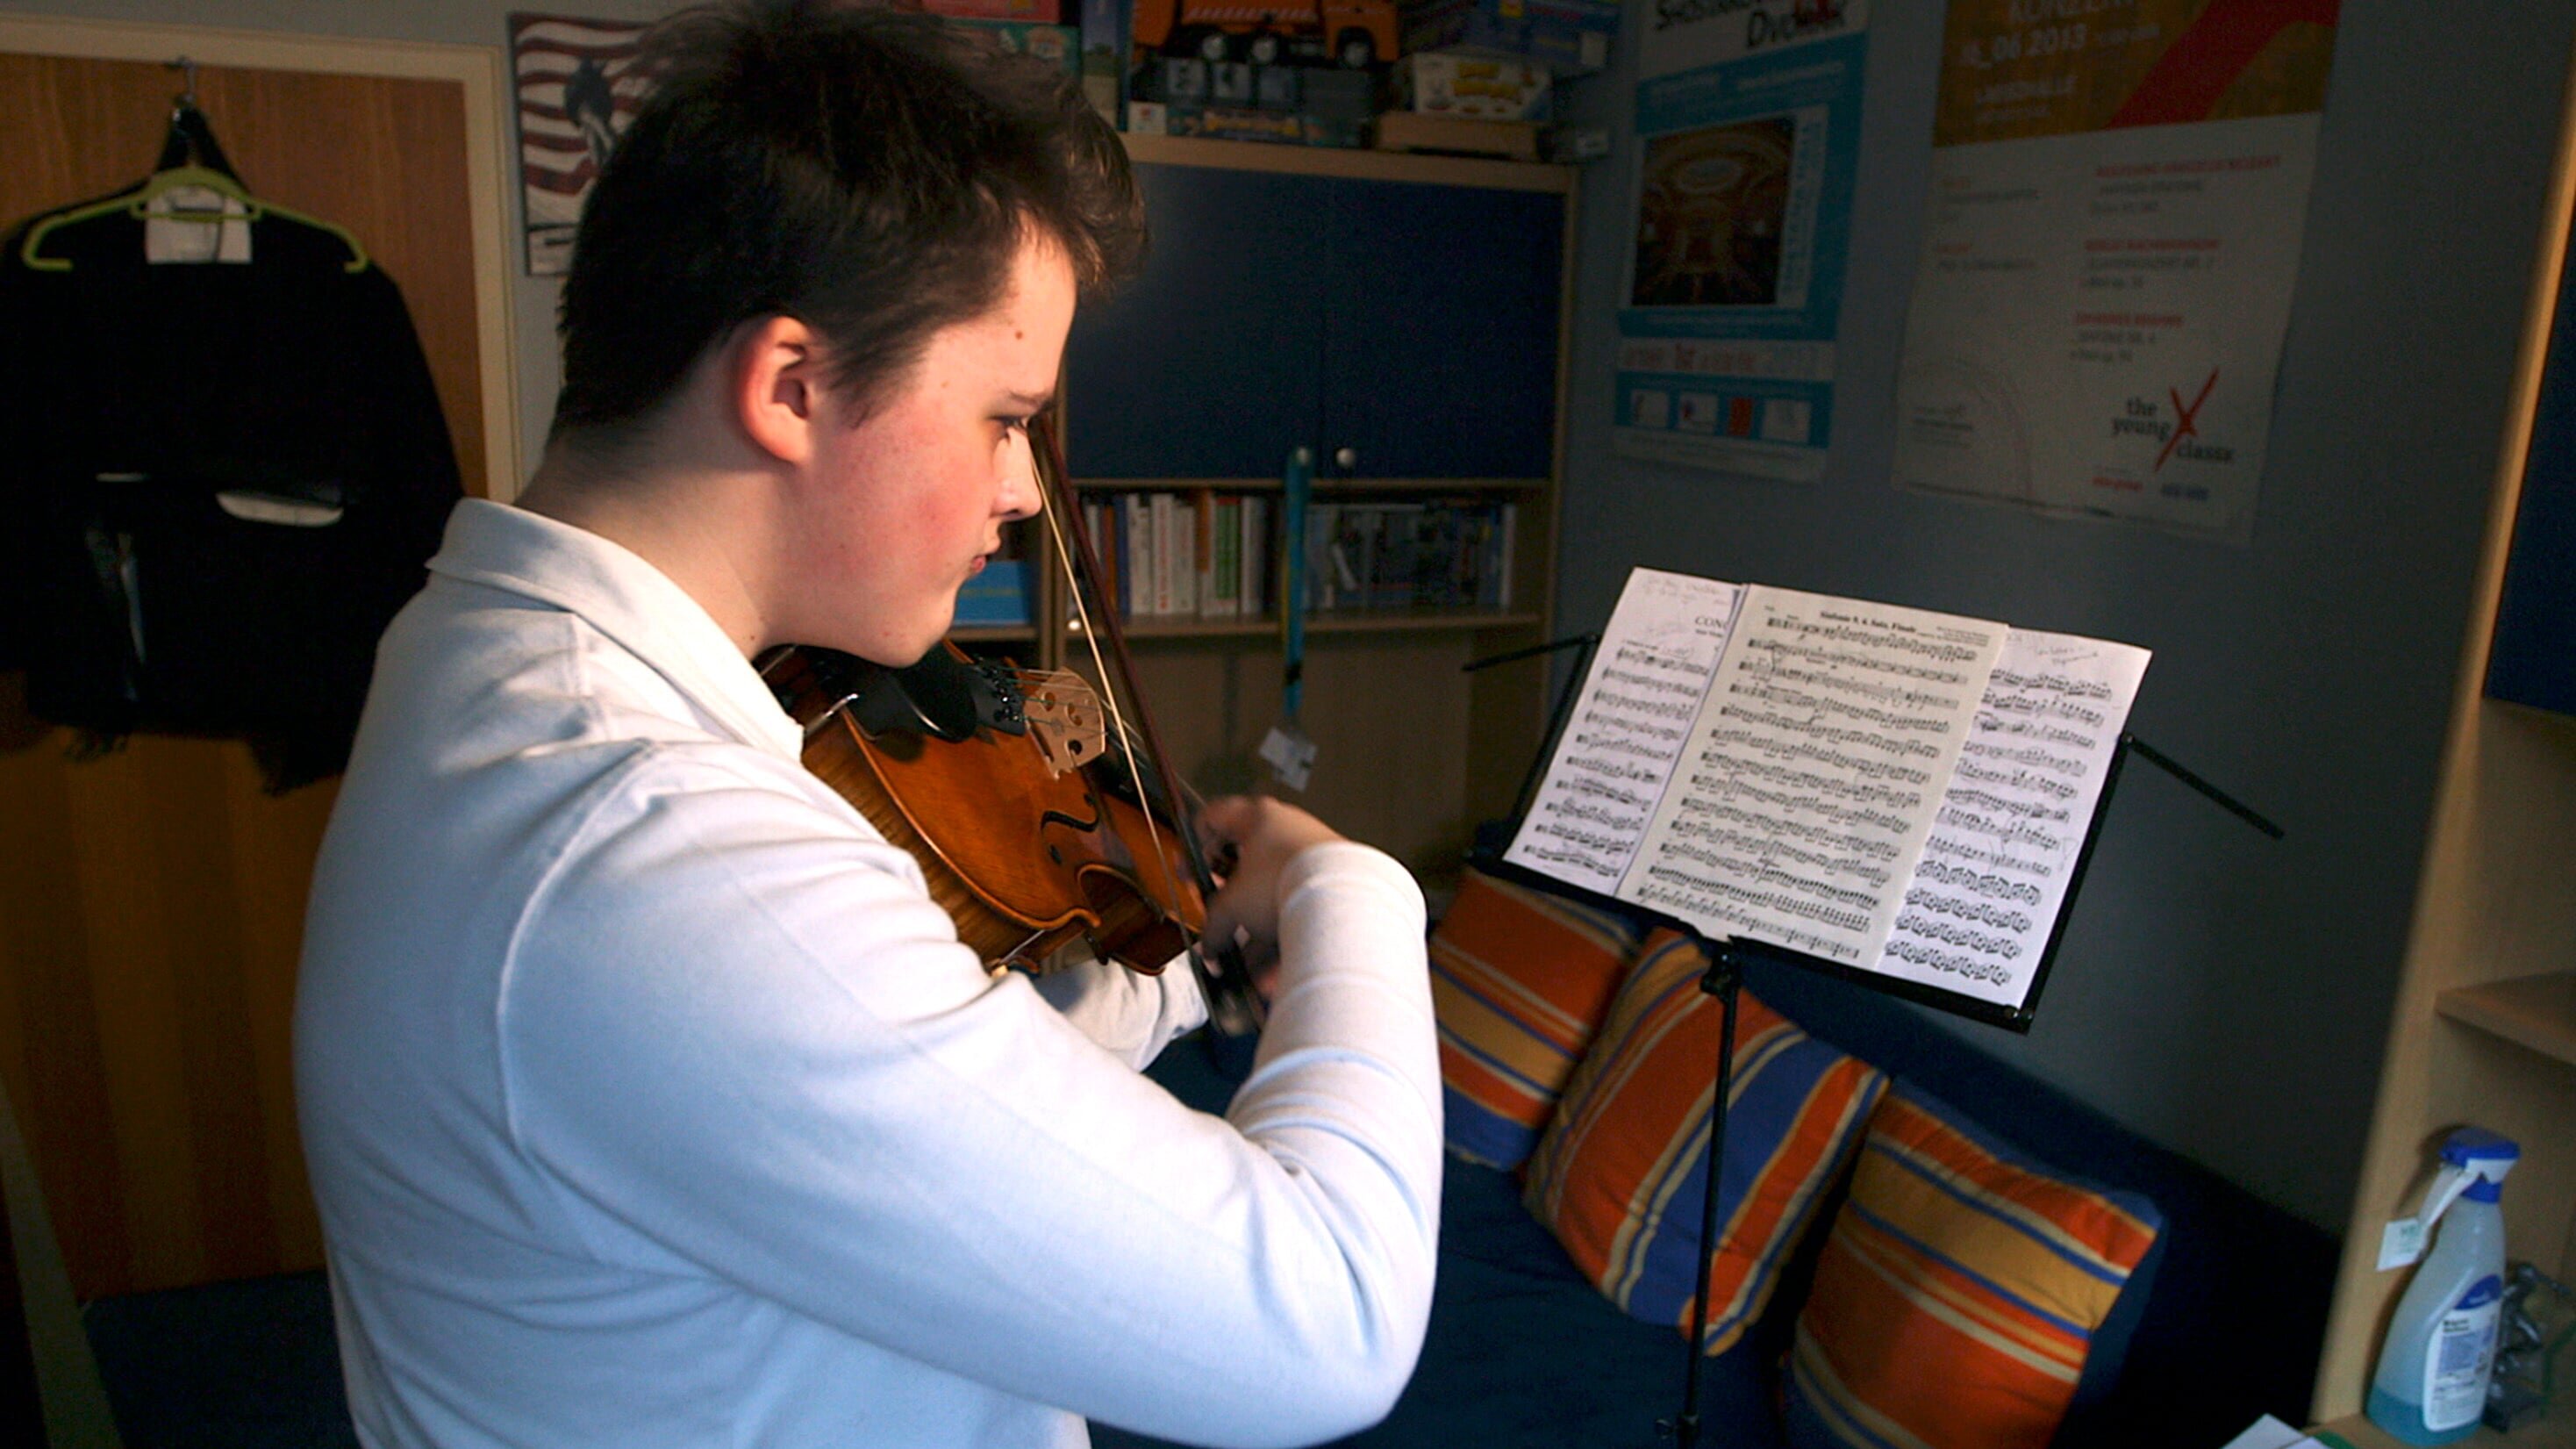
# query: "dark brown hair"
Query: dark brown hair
870,172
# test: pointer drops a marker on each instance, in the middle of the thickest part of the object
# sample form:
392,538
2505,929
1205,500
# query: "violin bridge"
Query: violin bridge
1064,717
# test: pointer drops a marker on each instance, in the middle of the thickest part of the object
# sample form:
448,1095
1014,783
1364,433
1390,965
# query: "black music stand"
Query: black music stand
1724,978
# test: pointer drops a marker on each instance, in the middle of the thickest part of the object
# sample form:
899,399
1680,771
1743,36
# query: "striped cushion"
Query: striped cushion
1621,1172
1958,1292
1519,979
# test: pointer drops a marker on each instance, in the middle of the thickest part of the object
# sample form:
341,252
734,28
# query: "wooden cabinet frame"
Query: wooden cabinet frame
2483,1028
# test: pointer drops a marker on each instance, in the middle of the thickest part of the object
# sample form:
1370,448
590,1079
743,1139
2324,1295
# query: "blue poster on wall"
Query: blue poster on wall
1748,136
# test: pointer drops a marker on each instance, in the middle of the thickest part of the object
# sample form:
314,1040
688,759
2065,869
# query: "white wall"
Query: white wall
2223,994
450,22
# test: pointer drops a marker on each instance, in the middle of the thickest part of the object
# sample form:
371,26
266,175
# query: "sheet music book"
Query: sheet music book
1900,794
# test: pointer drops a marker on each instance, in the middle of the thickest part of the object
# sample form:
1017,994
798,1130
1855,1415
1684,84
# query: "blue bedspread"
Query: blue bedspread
1522,1352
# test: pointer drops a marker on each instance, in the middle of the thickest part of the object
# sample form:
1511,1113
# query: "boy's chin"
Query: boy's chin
895,651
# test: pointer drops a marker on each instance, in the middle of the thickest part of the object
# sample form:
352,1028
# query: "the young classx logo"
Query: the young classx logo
2180,433
2187,426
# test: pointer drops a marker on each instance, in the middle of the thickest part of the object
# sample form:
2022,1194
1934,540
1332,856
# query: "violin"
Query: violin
1040,815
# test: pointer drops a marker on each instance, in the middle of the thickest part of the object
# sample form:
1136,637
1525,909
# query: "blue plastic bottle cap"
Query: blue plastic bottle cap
2476,1144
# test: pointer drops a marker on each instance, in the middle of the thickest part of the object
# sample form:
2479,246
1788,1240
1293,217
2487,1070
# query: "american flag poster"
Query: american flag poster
575,97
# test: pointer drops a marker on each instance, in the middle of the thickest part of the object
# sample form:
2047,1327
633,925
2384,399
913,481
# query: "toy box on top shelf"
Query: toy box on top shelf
1240,123
1232,100
1057,44
1570,37
1484,88
1032,12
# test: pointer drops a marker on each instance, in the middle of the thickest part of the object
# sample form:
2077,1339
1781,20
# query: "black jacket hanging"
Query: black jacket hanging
219,481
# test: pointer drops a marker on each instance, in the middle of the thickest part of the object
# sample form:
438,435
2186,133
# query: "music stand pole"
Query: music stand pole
1724,975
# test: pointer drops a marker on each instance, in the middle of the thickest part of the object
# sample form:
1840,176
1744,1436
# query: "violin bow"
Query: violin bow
1234,1004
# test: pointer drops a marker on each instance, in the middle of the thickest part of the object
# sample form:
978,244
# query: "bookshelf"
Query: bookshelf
1405,318
2483,1028
1407,621
2537,1011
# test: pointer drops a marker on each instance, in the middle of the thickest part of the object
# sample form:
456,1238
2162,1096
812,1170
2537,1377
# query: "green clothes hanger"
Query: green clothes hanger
191,142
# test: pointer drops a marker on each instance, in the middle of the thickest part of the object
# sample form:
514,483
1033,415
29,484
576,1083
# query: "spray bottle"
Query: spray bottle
2432,1379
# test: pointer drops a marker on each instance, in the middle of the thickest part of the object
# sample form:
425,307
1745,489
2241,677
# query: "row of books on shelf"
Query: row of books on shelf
1201,555
1213,556
1437,554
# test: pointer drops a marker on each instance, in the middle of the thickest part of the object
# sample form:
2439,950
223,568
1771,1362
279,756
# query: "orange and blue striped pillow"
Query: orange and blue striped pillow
1958,1293
1621,1172
1519,980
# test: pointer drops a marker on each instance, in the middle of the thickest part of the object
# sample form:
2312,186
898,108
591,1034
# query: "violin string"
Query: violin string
1108,695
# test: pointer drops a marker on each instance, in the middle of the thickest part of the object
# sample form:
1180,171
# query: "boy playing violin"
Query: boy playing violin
648,1097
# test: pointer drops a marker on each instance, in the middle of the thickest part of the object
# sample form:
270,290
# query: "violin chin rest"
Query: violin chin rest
947,696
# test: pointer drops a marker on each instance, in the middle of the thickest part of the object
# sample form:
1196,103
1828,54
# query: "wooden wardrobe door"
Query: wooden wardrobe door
152,899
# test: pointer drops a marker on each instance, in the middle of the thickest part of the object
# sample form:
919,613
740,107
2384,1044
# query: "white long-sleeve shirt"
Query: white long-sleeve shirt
649,1099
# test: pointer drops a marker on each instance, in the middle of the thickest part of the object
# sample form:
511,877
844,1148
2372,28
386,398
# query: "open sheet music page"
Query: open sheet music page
1995,870
1649,675
1812,773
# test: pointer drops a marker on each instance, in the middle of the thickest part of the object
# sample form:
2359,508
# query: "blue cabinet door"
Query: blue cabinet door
1440,333
1209,364
1413,324
2534,658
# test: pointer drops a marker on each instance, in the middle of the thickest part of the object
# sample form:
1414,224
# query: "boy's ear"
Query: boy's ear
777,387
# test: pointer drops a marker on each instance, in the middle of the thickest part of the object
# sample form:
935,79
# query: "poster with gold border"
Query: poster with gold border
2119,194
1748,133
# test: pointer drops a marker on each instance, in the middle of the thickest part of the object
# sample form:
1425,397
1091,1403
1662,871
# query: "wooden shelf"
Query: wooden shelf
1142,630
2535,1011
1351,162
2495,905
2555,1432
1323,486
1412,622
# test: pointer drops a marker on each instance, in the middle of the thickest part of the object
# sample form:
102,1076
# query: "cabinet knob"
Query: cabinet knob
1346,458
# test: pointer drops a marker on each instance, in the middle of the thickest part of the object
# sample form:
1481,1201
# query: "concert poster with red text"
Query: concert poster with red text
2119,190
